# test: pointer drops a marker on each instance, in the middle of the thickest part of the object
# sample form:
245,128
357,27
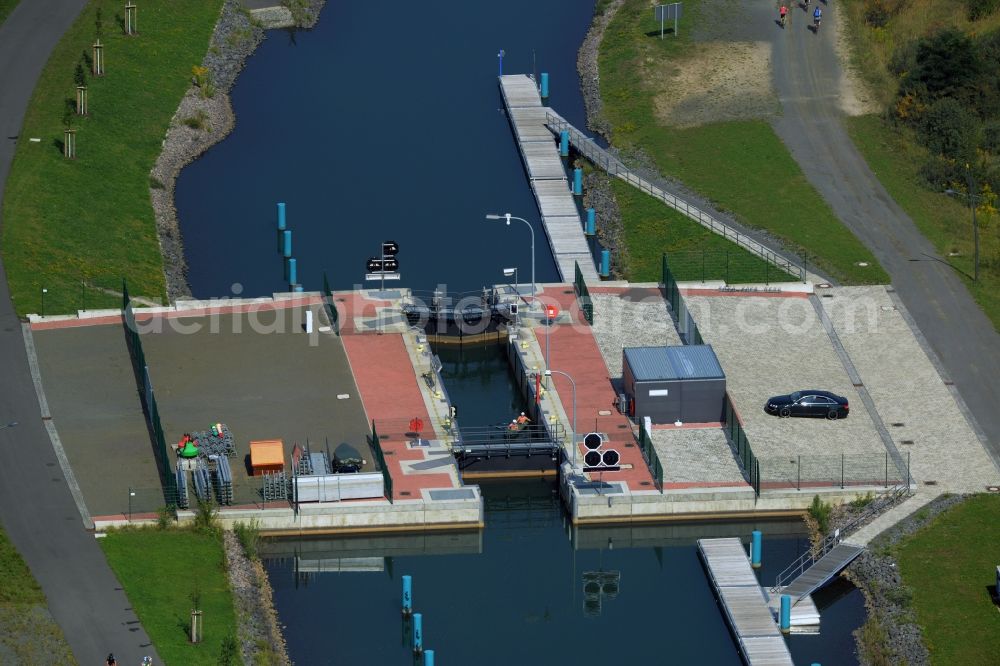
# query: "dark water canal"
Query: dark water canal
383,122
526,591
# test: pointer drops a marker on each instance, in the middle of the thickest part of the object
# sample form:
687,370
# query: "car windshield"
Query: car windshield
795,396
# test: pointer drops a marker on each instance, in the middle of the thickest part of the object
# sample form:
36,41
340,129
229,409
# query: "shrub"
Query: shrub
948,64
229,654
248,534
991,136
861,501
949,129
820,512
978,9
206,516
941,173
198,121
164,515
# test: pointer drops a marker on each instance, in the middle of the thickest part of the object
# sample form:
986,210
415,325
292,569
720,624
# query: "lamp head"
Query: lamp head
493,216
548,373
509,272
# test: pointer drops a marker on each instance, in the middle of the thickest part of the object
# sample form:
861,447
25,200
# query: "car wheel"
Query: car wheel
784,412
832,414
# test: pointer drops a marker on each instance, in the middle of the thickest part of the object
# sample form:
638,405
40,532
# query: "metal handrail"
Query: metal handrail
599,156
813,555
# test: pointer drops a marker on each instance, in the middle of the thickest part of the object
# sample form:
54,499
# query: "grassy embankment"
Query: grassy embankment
6,7
160,571
741,166
77,227
949,567
895,155
28,635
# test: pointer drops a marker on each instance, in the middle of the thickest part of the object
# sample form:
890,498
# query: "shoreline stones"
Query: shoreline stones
203,118
257,620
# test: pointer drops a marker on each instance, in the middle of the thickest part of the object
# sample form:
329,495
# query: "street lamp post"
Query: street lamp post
572,439
508,217
44,291
974,199
131,494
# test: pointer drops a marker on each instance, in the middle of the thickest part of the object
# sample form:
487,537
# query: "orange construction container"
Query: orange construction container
267,455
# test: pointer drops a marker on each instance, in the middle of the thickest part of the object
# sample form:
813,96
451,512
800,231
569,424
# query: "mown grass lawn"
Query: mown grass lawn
741,166
160,570
693,252
78,227
27,632
949,567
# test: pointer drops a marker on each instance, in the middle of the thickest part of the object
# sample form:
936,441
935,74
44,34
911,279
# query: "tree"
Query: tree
948,64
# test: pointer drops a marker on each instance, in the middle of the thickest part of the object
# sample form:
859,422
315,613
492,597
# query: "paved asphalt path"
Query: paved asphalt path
806,74
36,507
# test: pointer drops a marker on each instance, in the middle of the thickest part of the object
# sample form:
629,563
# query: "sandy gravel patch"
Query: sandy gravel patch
719,82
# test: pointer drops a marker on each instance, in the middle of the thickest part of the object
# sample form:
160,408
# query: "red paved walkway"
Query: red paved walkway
391,396
574,351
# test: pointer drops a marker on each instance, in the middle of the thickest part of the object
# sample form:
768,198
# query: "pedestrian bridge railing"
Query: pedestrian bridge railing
604,159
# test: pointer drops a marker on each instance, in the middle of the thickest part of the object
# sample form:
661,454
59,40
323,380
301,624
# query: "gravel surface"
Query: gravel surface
586,65
623,321
252,596
696,456
209,110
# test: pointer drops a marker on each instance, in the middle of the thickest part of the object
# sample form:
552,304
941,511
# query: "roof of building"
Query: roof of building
671,363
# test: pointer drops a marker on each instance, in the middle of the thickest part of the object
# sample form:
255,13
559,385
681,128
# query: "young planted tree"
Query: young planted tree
80,77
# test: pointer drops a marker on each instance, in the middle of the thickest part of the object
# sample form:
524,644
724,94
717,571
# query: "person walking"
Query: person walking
783,15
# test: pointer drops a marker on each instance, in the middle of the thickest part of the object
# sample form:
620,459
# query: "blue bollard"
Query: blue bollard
286,243
578,181
429,658
418,633
292,271
545,85
755,542
281,217
298,289
605,263
564,143
407,595
786,613
591,222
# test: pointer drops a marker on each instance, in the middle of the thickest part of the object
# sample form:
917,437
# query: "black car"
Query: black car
809,403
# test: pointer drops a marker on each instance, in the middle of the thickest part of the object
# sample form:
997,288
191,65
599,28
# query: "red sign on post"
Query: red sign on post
416,424
551,311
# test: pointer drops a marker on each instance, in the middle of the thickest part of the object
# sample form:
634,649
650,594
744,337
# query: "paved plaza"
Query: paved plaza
630,318
262,375
775,345
95,406
918,408
696,457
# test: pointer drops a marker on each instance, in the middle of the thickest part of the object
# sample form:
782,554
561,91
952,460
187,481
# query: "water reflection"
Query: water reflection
529,589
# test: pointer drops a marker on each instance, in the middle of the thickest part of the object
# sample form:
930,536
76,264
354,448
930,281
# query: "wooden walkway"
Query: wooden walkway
820,573
743,602
547,175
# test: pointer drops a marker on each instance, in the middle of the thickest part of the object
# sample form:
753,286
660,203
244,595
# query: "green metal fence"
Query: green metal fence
686,326
741,445
652,459
330,305
376,446
733,267
583,295
134,343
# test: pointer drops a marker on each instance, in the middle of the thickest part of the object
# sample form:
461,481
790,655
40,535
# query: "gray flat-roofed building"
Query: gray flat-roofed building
668,384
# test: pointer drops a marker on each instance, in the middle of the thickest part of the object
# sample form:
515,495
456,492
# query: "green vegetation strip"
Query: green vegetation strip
77,227
949,567
6,7
946,222
28,635
161,570
741,166
694,252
